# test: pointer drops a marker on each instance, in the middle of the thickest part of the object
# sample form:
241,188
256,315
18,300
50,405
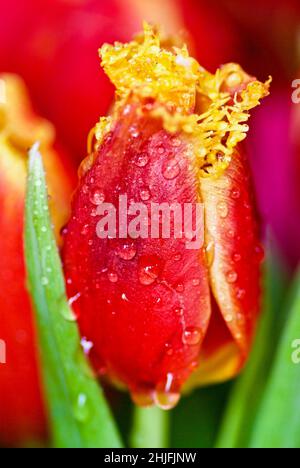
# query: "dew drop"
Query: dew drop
259,252
236,257
86,345
124,297
241,293
164,396
81,409
235,194
145,194
179,311
171,169
85,188
222,208
166,401
67,313
44,281
196,282
176,142
228,318
142,160
127,251
113,277
210,253
180,287
149,270
231,276
97,197
169,349
192,336
177,257
85,229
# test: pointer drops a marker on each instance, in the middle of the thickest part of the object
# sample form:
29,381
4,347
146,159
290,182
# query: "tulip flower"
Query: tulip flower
160,316
21,409
57,42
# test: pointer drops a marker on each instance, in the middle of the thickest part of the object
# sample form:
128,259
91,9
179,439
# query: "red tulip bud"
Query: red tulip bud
162,252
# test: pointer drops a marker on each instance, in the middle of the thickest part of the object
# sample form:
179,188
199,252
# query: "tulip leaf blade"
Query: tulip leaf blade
79,416
277,423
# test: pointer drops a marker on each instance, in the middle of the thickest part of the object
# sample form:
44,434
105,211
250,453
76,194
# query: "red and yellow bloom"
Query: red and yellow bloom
159,316
21,409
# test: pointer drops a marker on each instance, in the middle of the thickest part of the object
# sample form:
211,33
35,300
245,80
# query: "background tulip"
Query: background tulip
53,46
21,410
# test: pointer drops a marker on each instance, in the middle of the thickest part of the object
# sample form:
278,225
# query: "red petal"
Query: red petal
144,306
232,229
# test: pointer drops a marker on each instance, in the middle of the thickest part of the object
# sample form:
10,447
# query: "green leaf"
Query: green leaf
78,413
246,395
150,428
278,421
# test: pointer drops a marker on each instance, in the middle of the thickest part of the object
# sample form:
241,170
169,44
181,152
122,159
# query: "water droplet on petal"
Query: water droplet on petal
127,251
235,194
142,160
74,299
124,297
180,287
231,276
210,253
86,345
145,194
171,169
85,229
85,189
196,282
228,318
179,311
177,257
192,336
236,257
166,401
149,270
241,293
259,252
113,277
169,349
165,397
97,197
222,208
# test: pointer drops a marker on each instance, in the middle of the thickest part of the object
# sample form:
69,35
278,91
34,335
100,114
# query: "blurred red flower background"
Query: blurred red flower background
53,44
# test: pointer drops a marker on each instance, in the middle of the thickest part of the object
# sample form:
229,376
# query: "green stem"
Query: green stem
150,428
